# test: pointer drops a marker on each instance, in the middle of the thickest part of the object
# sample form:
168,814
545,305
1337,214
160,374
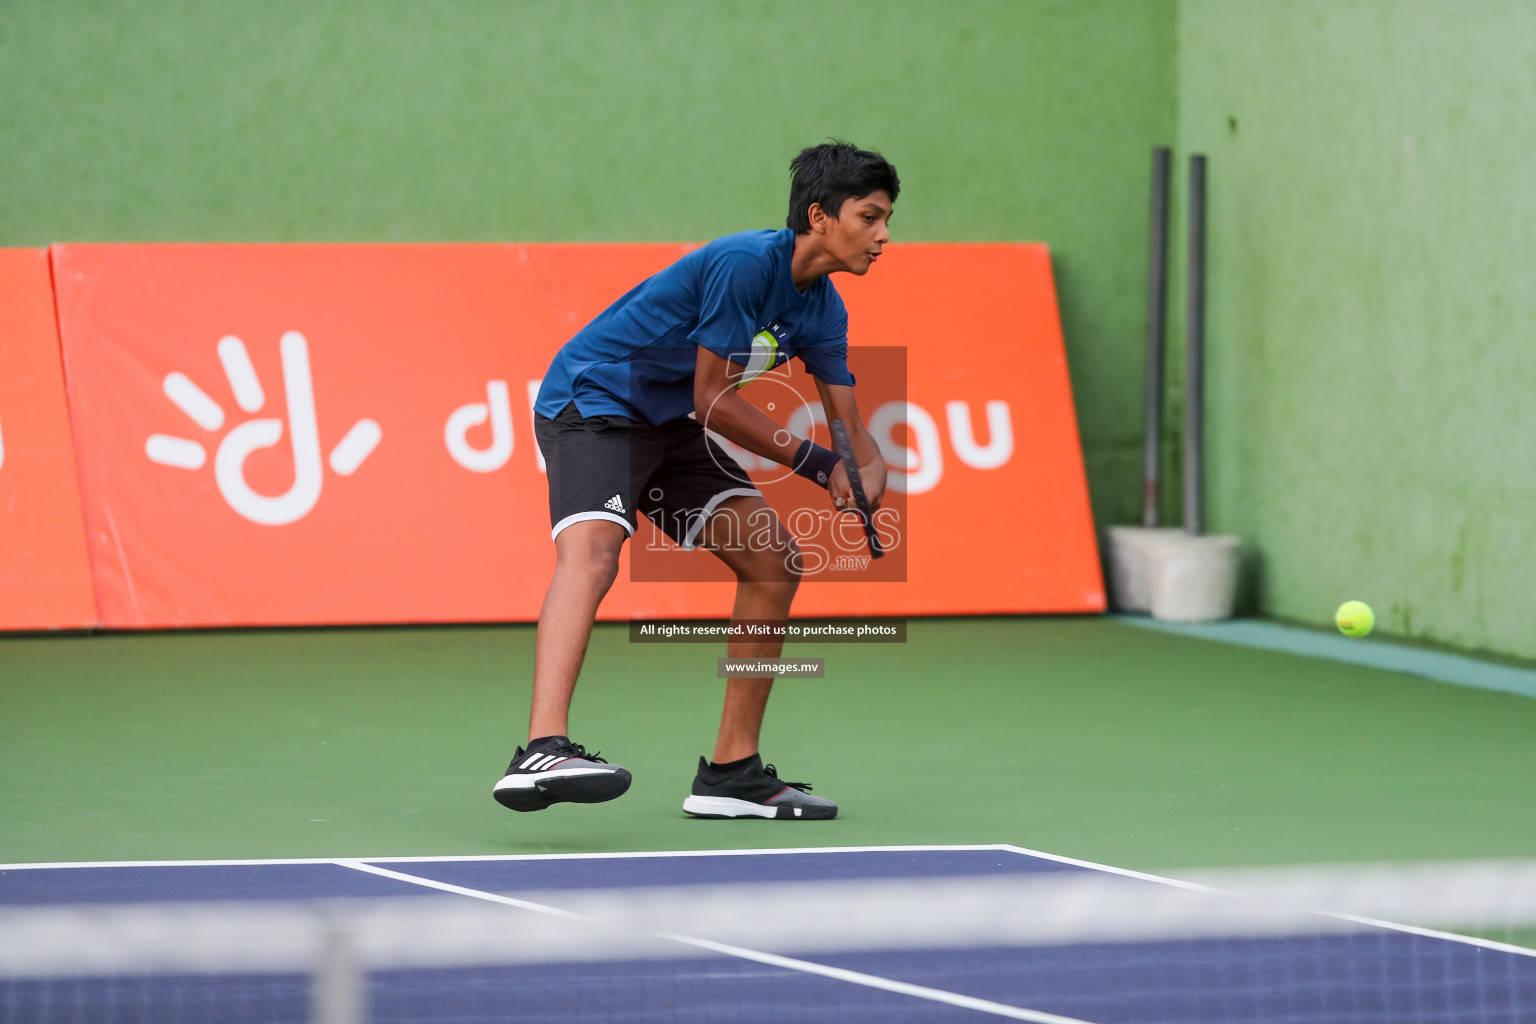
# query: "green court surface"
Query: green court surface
1086,737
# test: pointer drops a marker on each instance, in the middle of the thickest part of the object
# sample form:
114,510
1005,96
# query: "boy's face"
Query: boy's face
858,233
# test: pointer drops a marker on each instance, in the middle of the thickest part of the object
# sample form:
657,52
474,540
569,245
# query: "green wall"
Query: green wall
1372,221
1372,379
470,120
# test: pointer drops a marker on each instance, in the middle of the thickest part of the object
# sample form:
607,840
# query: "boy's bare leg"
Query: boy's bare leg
746,699
587,563
766,581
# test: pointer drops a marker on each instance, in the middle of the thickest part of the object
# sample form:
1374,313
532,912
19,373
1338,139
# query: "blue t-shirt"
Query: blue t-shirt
735,296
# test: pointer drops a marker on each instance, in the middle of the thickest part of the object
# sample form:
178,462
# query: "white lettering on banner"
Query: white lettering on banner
962,436
498,407
2,449
533,397
916,471
253,435
359,443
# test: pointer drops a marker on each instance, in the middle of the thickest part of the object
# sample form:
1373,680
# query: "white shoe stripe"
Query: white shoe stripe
728,806
528,780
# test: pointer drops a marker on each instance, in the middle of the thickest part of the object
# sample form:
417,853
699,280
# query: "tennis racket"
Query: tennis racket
860,499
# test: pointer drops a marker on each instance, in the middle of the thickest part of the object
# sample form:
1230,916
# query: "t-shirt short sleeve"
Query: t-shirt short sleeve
827,357
731,295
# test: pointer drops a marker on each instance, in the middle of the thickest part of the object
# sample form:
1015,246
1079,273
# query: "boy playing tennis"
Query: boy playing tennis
620,420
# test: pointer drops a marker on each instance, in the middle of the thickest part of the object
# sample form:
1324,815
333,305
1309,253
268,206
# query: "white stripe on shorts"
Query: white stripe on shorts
584,516
698,524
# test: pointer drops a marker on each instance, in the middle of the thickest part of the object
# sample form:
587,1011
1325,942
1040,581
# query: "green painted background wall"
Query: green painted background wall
1373,228
1372,319
470,120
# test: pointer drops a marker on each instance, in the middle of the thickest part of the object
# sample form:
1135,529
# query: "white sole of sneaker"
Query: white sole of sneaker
533,779
727,807
573,785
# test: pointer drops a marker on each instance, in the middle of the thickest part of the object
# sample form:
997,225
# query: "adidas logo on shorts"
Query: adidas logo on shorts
613,504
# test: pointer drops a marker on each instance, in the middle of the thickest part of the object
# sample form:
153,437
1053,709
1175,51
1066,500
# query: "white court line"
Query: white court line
1429,933
493,857
936,995
85,864
1111,869
644,854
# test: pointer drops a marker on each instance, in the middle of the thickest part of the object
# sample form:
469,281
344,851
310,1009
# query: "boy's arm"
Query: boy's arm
720,408
717,405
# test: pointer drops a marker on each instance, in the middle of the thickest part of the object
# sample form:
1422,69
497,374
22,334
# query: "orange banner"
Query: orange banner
342,434
45,579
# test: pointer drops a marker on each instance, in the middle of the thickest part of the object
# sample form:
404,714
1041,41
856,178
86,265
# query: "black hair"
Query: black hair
832,173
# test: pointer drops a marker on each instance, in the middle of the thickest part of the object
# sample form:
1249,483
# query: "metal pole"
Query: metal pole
338,991
1194,356
1157,325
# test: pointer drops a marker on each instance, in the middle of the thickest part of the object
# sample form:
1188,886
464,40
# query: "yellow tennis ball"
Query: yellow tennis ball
1355,618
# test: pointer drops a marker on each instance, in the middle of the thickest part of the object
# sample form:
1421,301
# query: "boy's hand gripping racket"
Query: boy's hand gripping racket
860,499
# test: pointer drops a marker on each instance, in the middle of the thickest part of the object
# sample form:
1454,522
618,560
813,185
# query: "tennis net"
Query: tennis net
1310,945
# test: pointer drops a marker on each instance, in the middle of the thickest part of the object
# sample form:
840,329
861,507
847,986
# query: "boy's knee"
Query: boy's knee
792,562
783,564
592,552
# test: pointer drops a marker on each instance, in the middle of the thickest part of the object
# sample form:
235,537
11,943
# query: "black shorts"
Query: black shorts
605,467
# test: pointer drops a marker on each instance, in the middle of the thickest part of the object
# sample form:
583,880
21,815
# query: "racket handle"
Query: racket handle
856,483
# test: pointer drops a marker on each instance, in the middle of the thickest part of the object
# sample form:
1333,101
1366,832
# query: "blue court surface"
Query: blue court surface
1384,972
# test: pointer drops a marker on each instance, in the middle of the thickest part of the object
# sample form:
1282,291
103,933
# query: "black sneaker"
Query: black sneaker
753,791
553,769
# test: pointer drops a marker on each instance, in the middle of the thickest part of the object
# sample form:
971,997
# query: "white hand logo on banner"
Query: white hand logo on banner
252,435
498,408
